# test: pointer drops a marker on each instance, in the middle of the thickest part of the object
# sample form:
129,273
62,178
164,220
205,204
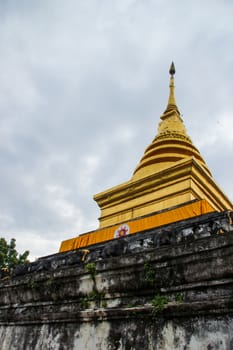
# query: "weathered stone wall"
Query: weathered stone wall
171,288
200,333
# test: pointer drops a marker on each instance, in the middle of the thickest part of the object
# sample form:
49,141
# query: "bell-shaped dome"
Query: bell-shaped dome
172,143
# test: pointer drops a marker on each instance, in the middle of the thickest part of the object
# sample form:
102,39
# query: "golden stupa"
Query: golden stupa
171,183
171,172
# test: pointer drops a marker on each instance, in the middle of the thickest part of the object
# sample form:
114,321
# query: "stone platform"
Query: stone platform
168,288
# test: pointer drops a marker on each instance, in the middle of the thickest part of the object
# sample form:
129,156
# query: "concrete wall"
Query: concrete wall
140,292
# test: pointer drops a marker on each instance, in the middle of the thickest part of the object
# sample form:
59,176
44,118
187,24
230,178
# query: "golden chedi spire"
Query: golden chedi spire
171,183
171,172
171,143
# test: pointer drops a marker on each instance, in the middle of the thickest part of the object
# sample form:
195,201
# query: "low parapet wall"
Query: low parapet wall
144,293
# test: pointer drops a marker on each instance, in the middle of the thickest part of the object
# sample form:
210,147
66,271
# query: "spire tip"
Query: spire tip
172,69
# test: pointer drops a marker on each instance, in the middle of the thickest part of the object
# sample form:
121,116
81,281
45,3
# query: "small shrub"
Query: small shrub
149,273
33,284
93,297
84,303
179,297
91,269
159,302
104,304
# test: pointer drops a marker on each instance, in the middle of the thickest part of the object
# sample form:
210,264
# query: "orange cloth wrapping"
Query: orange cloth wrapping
155,220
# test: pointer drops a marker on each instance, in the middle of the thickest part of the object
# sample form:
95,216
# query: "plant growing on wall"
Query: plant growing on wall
179,298
96,297
159,302
91,269
149,273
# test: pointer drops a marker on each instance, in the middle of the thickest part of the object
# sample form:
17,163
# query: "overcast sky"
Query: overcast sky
82,87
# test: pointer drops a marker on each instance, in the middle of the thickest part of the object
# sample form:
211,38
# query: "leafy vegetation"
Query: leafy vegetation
179,298
91,269
33,284
159,302
96,297
149,273
9,257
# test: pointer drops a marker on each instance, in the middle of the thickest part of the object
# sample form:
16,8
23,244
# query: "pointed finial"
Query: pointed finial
171,105
172,69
